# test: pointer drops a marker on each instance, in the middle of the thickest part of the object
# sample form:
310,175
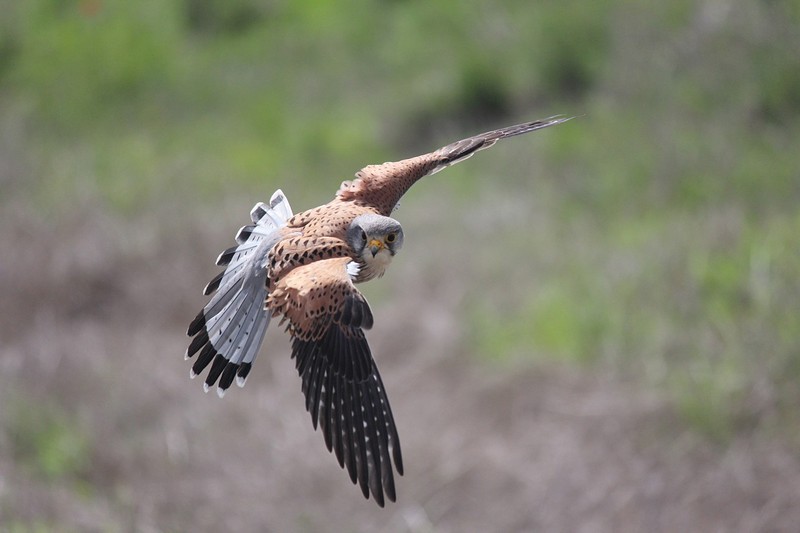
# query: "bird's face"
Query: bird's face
375,240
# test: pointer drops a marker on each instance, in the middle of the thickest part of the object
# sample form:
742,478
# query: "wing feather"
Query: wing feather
343,391
382,186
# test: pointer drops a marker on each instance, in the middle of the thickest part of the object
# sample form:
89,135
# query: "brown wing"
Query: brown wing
381,186
342,386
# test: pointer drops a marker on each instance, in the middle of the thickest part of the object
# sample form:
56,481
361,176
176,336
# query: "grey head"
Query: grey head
375,240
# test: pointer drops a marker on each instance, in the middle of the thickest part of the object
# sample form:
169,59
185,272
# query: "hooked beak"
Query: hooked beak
375,246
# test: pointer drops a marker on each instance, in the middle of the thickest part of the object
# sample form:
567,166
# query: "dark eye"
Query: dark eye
363,235
391,238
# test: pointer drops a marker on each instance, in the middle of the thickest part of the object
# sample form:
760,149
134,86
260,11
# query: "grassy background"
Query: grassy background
655,239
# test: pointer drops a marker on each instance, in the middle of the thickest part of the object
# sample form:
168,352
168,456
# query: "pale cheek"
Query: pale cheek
384,257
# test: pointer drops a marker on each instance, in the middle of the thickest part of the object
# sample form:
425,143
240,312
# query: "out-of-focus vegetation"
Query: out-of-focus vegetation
678,187
662,235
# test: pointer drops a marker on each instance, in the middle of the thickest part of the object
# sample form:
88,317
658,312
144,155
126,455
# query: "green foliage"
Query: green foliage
558,322
572,46
49,441
222,17
704,305
77,61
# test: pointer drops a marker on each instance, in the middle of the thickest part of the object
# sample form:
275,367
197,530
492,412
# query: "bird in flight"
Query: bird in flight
304,269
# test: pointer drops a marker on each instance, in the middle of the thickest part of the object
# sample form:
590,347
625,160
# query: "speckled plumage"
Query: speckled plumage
303,269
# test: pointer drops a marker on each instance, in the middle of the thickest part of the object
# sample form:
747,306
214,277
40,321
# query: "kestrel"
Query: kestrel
304,268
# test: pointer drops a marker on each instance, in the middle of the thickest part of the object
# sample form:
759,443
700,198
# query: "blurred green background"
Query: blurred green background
655,238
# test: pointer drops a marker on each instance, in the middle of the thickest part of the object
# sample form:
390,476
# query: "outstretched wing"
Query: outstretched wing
229,330
344,393
381,186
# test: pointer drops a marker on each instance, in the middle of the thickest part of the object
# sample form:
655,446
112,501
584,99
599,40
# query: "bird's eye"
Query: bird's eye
391,237
363,235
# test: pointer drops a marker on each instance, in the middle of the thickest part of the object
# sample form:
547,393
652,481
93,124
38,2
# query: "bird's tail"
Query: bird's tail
229,330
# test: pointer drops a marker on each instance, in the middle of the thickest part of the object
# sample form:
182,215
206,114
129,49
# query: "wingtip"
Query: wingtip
550,121
560,119
240,381
380,502
192,373
221,392
206,388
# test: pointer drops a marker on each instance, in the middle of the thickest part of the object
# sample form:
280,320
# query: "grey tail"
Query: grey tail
227,333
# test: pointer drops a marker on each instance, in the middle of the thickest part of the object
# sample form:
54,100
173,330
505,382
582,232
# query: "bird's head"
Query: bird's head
375,239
